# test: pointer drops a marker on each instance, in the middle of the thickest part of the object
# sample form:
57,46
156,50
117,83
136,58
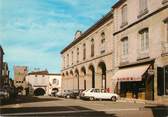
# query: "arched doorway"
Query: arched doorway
102,71
77,78
92,70
39,92
83,71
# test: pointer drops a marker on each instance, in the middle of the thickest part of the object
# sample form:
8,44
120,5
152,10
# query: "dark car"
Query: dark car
72,93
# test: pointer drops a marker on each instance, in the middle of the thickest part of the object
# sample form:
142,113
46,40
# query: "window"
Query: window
84,51
64,61
124,15
144,39
67,60
162,80
143,7
77,55
72,57
102,43
166,28
125,46
92,47
54,81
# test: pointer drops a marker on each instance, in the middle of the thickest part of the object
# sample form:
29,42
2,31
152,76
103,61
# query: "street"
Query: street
52,106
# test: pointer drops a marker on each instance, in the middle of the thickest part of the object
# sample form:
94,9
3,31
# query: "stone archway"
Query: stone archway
39,92
102,75
83,78
92,75
76,79
71,80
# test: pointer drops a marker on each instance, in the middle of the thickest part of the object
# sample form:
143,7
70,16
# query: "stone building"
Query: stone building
42,82
1,64
54,83
20,73
141,48
126,51
87,61
5,75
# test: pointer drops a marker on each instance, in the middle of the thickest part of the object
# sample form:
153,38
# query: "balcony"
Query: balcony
124,60
164,46
142,54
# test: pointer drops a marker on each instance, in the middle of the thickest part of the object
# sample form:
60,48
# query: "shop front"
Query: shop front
136,82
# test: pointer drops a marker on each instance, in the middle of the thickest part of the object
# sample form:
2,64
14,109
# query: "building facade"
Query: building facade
1,64
54,83
42,82
37,82
126,51
5,75
87,61
141,48
20,73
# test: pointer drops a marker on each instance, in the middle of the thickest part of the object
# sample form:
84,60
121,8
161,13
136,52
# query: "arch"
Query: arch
102,72
39,91
71,73
76,73
92,70
83,72
67,73
63,74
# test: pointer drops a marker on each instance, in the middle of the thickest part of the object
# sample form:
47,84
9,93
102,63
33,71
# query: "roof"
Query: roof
99,23
45,72
118,3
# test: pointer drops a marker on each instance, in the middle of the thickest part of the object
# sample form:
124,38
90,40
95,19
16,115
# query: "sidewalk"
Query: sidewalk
144,101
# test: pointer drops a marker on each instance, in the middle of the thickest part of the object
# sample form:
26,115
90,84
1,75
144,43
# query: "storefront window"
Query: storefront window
162,80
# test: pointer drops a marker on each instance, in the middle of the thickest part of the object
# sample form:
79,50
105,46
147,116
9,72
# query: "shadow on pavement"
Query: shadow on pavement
159,111
27,99
60,111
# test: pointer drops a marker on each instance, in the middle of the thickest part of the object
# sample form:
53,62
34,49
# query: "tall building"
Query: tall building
125,51
20,73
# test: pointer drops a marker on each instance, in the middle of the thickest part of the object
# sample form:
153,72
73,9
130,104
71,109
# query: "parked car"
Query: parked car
4,94
54,92
94,93
72,93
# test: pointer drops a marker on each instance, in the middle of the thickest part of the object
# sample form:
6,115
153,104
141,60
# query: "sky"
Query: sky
33,32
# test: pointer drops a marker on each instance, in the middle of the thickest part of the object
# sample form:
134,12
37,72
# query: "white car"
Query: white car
94,93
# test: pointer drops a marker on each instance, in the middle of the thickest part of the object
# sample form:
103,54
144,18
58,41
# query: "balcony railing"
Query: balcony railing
164,48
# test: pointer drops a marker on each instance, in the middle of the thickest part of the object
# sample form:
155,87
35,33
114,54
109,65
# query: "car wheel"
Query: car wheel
113,98
68,96
91,98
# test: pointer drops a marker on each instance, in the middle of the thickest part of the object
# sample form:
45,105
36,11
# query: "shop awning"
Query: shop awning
131,73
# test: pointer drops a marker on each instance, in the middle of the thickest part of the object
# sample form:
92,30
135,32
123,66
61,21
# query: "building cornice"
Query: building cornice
99,23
